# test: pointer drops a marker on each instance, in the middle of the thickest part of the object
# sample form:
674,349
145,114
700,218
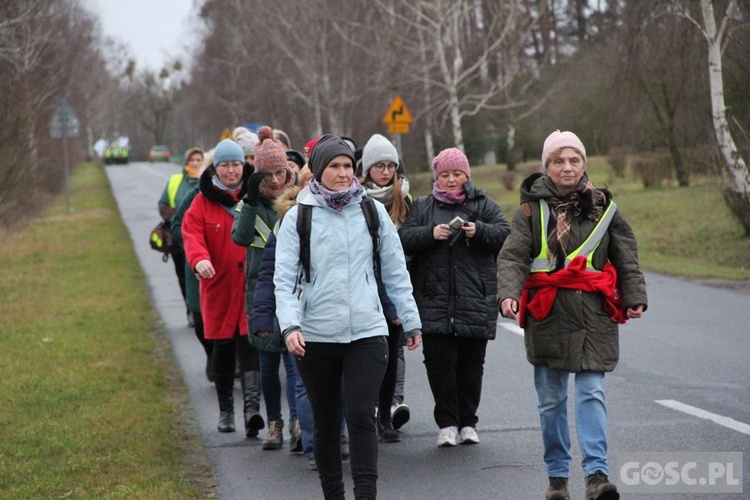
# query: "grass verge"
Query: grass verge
93,403
686,232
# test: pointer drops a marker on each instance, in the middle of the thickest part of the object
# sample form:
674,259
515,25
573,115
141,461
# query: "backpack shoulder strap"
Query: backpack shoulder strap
304,221
370,212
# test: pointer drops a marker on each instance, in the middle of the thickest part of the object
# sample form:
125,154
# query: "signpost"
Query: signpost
65,124
398,120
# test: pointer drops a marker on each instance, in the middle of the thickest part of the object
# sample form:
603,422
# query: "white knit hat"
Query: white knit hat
558,140
378,148
248,142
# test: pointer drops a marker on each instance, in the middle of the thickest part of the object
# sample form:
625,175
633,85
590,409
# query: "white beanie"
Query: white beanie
378,148
248,141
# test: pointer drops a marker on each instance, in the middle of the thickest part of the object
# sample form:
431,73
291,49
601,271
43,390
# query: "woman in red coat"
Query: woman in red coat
220,265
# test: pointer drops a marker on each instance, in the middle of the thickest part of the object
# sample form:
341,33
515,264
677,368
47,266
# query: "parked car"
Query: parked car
159,153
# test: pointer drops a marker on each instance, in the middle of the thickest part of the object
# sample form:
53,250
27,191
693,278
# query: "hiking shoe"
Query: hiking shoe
557,489
399,415
295,436
275,438
386,432
447,436
311,465
598,487
468,435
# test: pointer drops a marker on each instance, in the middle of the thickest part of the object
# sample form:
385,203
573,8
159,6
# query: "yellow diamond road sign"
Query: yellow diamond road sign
398,113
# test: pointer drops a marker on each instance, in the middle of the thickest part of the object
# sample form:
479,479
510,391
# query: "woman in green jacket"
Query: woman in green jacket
253,222
569,273
178,186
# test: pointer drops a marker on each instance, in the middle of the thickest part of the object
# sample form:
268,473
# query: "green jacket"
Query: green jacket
192,286
246,234
578,333
186,185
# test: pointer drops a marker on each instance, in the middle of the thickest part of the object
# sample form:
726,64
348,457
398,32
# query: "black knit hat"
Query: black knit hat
295,156
326,149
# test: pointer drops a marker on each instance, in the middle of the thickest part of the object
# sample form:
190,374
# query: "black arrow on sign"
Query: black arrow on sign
396,112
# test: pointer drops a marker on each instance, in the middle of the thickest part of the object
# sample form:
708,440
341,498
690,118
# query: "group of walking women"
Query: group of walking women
340,283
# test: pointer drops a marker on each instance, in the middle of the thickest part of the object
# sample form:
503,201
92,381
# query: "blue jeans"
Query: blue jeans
305,415
271,384
591,420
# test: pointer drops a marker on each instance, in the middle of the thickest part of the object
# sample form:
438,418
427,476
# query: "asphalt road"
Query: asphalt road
691,348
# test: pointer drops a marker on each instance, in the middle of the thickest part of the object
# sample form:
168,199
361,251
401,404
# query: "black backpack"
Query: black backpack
304,222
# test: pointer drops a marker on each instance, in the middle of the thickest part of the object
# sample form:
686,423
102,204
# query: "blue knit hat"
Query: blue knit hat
228,150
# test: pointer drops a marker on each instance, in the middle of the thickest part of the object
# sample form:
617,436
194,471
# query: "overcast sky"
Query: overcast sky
153,30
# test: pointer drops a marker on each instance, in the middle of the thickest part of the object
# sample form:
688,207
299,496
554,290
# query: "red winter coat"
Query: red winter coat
207,233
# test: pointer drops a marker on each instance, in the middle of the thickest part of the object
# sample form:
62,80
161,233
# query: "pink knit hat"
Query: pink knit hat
558,140
451,159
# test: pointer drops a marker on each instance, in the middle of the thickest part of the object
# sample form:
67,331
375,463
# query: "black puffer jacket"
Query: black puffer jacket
455,285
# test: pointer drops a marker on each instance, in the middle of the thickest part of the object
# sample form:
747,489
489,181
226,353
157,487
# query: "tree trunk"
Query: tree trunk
683,176
458,135
739,191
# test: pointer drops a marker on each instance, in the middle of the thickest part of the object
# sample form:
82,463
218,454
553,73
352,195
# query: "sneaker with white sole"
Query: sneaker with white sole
468,435
447,436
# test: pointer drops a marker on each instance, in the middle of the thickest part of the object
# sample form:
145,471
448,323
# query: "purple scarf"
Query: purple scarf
449,197
337,200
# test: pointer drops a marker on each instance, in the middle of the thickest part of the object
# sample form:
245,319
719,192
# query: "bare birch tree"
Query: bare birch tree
459,41
737,175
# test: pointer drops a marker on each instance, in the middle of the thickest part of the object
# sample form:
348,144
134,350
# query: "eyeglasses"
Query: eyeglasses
382,167
275,174
230,166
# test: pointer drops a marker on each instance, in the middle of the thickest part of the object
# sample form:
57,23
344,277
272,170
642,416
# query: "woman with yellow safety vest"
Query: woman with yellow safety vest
569,273
253,224
174,192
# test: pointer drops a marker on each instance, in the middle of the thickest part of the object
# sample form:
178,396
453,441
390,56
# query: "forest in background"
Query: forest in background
630,77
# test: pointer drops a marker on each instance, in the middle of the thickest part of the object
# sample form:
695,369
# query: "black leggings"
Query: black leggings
178,258
388,387
361,364
208,345
227,350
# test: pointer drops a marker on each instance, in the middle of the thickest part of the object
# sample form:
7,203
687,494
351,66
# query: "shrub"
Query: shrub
652,168
618,159
508,178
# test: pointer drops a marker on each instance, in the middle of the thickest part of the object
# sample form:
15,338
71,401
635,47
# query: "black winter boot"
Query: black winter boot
224,388
251,395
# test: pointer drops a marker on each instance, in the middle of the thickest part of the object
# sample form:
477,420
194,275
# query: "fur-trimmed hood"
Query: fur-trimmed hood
210,191
288,198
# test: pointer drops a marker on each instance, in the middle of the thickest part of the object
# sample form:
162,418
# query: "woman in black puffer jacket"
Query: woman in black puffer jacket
454,273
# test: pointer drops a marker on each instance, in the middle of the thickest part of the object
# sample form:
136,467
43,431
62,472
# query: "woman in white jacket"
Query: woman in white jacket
333,322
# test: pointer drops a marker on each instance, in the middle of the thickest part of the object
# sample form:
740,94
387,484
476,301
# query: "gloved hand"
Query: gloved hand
252,190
